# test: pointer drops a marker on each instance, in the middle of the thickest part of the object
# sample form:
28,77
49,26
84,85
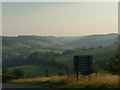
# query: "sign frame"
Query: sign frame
80,61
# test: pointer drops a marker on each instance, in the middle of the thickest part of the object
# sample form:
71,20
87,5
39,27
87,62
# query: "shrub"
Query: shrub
18,73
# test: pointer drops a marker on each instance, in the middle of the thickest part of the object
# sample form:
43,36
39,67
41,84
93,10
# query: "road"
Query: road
21,86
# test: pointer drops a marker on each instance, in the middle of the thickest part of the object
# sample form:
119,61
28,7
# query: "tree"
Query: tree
100,46
18,73
97,69
61,72
113,65
6,75
69,51
91,47
47,73
84,48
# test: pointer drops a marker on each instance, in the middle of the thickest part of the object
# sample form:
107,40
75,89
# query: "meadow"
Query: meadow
40,60
69,81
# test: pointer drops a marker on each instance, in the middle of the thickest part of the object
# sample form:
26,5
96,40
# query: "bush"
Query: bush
113,65
6,75
97,69
18,73
61,72
47,73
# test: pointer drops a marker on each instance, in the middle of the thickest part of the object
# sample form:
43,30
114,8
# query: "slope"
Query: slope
101,54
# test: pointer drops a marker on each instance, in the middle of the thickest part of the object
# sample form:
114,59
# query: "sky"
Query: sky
59,18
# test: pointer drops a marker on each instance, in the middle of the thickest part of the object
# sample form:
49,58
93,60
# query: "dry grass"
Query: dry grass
95,80
40,79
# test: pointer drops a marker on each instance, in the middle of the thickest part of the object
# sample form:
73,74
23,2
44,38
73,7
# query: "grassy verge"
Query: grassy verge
96,81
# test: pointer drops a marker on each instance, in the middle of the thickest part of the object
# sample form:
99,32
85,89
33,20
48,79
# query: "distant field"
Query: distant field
99,54
25,44
96,81
36,70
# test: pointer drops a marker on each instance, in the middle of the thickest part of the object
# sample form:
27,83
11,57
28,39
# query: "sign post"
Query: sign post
82,63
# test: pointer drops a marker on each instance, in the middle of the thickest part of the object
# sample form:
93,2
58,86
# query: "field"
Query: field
35,70
69,81
38,56
99,54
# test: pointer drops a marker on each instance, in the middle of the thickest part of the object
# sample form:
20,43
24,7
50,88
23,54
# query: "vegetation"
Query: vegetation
100,55
96,81
48,60
15,74
18,73
47,73
61,72
31,71
35,58
37,62
24,45
5,75
113,65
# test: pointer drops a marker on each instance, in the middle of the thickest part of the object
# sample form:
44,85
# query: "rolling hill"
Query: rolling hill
23,45
36,70
103,48
100,55
93,41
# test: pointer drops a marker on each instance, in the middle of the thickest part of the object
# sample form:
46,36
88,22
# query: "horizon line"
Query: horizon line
54,35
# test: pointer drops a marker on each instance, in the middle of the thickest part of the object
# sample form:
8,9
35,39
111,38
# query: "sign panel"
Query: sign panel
83,63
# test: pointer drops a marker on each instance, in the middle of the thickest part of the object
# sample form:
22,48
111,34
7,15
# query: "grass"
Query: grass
36,70
99,54
42,43
96,81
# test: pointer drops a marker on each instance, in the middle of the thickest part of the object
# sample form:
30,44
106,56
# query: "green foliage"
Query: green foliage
5,71
83,48
93,40
69,51
36,50
16,61
24,45
97,69
35,63
47,73
42,58
6,75
38,57
113,65
18,73
61,72
100,55
36,70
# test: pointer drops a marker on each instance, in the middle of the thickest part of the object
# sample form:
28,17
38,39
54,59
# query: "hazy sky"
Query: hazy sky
59,19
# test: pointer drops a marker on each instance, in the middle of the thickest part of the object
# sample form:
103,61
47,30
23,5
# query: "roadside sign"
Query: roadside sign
82,63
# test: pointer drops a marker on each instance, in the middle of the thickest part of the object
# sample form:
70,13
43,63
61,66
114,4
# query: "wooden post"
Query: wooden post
76,68
77,72
88,68
77,77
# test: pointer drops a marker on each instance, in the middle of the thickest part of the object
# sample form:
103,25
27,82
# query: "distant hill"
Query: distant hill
100,55
52,41
93,41
23,45
36,70
15,45
16,49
